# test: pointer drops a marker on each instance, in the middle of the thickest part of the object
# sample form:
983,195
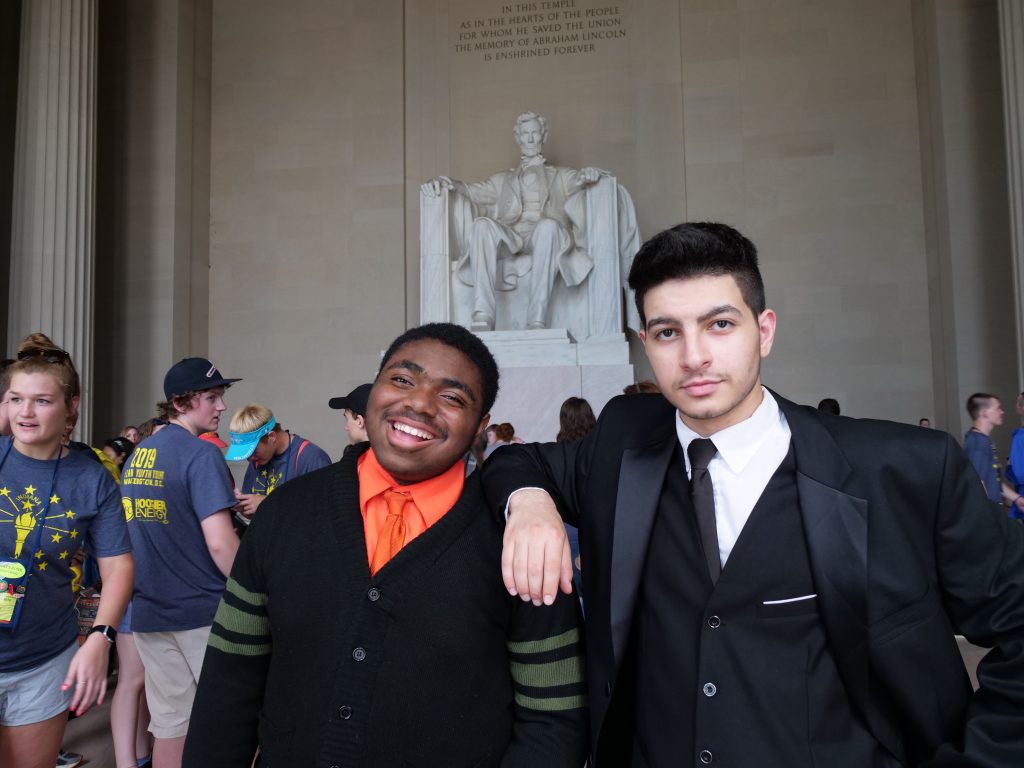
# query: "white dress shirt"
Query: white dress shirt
748,455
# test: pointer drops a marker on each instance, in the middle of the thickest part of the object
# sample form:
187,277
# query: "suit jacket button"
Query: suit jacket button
710,689
373,595
705,756
345,712
359,654
714,622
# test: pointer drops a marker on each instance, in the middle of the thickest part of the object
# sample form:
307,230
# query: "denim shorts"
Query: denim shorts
34,695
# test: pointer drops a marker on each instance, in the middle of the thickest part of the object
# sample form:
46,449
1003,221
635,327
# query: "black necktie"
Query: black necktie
701,451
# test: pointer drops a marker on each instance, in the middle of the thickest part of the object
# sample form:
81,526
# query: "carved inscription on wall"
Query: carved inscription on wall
534,29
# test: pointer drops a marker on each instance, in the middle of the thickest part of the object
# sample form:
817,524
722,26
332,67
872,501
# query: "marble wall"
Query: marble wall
152,201
856,141
307,260
970,289
801,128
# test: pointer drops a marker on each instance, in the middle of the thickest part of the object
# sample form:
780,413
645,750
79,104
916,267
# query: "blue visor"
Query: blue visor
244,443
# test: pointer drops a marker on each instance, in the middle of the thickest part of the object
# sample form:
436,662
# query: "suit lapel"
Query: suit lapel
836,527
641,476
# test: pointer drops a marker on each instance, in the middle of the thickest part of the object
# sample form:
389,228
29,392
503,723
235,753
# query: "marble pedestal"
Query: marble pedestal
540,369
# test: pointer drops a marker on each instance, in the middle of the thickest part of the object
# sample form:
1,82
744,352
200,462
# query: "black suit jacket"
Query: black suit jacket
905,551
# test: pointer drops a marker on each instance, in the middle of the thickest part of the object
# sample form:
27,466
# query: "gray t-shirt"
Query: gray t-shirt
81,507
173,482
301,457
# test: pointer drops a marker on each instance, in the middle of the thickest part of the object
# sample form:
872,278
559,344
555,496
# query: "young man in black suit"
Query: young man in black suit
766,584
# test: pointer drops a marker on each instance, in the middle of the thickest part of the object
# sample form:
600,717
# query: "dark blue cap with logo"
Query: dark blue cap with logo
193,374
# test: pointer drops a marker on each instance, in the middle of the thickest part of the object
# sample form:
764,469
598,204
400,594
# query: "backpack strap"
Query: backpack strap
302,447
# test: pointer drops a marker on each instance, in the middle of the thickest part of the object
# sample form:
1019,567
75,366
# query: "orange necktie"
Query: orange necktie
392,533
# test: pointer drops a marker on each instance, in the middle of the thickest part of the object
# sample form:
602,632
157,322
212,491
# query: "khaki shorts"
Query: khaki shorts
173,661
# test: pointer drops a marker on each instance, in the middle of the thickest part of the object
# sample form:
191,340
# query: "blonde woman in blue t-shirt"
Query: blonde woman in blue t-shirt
52,501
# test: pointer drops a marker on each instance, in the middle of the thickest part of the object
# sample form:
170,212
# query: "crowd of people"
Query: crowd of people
418,602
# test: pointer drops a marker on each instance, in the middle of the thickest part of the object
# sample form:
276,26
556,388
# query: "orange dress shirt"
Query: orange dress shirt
430,499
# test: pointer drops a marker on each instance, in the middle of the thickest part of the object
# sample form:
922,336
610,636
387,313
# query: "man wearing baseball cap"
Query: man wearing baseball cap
354,406
177,494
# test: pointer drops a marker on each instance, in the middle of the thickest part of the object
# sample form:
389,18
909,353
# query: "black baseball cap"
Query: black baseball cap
193,374
354,401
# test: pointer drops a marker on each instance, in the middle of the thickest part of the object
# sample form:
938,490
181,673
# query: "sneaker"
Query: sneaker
68,759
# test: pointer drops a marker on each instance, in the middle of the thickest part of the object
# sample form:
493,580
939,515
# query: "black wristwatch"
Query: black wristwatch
108,632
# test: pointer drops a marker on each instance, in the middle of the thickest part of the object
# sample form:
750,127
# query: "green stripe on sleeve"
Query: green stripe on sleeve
255,599
551,705
239,649
563,672
547,644
242,622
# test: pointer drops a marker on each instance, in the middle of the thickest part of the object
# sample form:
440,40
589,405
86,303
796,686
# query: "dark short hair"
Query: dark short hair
978,402
829,405
697,250
456,337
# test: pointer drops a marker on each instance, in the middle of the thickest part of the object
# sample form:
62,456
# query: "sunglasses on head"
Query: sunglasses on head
50,355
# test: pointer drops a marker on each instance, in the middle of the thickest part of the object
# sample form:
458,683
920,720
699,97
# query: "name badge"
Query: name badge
13,578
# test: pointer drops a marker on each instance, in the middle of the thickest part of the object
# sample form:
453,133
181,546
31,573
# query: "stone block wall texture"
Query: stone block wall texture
856,142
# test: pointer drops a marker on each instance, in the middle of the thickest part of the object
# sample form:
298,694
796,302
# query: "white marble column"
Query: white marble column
52,226
1011,30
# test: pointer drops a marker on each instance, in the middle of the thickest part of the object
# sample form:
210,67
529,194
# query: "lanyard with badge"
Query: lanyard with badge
15,573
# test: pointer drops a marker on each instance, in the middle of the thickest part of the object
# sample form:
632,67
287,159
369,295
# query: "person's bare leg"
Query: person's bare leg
167,752
143,738
124,705
32,746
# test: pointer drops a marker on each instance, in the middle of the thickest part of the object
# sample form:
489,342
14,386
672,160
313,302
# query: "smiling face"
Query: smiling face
38,413
424,410
705,346
204,411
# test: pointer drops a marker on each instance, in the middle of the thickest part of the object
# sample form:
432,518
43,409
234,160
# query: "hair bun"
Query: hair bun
37,340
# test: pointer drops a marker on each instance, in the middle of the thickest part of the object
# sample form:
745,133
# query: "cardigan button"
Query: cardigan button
710,689
359,654
373,595
345,712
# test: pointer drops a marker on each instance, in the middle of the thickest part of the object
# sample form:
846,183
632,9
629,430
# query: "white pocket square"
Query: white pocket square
790,599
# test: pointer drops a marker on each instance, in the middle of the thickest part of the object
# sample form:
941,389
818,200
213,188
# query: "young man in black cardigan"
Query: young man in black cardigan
354,632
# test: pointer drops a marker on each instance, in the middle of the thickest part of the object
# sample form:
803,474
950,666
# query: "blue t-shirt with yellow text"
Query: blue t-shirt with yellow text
172,482
43,523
